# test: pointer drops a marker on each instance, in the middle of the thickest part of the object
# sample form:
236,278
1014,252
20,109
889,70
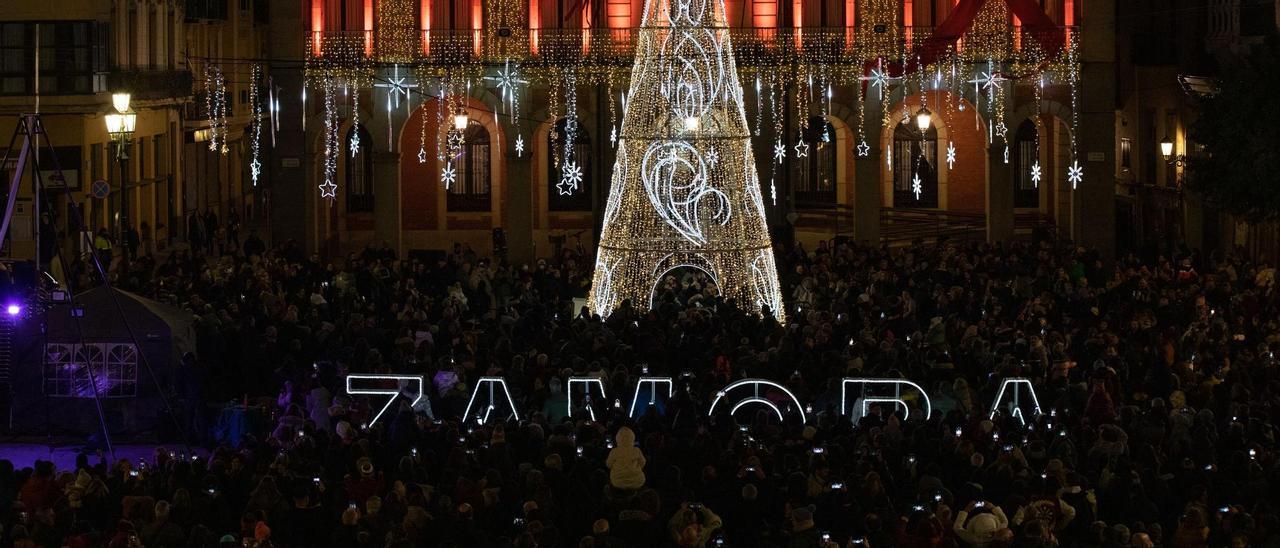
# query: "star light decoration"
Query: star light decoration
1075,174
802,149
422,155
448,175
878,78
779,151
1035,174
951,154
255,169
507,79
916,187
863,148
397,86
570,178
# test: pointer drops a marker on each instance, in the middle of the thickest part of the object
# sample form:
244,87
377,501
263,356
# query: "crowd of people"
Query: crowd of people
1155,377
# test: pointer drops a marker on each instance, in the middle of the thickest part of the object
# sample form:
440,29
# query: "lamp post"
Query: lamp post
120,126
1166,150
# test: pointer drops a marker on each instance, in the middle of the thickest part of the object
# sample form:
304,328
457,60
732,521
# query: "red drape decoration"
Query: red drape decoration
1034,22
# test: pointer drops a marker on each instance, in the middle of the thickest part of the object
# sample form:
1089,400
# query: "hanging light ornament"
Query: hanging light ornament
255,142
332,144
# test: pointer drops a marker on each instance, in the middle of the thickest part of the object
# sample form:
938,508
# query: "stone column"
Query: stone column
518,213
386,200
868,197
999,195
1094,203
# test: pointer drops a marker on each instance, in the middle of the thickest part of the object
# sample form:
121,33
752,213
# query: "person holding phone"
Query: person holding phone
979,523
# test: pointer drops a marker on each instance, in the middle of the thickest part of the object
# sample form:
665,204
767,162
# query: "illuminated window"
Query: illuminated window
73,370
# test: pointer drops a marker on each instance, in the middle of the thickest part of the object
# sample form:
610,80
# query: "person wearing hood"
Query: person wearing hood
626,462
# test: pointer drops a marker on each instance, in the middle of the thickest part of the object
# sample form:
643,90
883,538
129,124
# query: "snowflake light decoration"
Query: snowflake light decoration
355,143
1075,174
864,149
1035,174
802,149
916,186
613,136
570,178
951,154
519,145
448,175
779,151
713,157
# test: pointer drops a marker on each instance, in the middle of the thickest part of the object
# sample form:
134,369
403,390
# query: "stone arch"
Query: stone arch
423,199
961,187
1052,121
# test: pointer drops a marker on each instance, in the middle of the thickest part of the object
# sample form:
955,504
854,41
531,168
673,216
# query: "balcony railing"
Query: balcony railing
753,47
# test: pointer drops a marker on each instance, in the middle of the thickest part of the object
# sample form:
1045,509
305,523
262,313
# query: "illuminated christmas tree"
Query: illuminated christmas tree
685,192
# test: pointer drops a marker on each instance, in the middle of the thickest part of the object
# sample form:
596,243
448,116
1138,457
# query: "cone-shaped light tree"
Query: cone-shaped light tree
685,192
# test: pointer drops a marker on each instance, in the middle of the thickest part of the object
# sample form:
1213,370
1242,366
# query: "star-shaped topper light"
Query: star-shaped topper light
570,178
802,149
916,186
448,175
864,149
1035,174
951,154
1075,174
779,151
328,190
397,86
519,145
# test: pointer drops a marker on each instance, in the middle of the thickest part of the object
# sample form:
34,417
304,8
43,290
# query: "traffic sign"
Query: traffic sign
100,189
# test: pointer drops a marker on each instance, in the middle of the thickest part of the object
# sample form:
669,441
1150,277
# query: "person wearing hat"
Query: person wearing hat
979,529
367,484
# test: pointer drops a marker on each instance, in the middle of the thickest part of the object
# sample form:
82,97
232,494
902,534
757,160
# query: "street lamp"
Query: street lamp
460,120
120,126
1166,150
924,119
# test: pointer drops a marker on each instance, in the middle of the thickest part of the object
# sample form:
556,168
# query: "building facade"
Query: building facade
65,59
386,194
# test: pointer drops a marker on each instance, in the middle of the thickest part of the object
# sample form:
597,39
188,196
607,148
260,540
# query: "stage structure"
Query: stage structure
685,192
